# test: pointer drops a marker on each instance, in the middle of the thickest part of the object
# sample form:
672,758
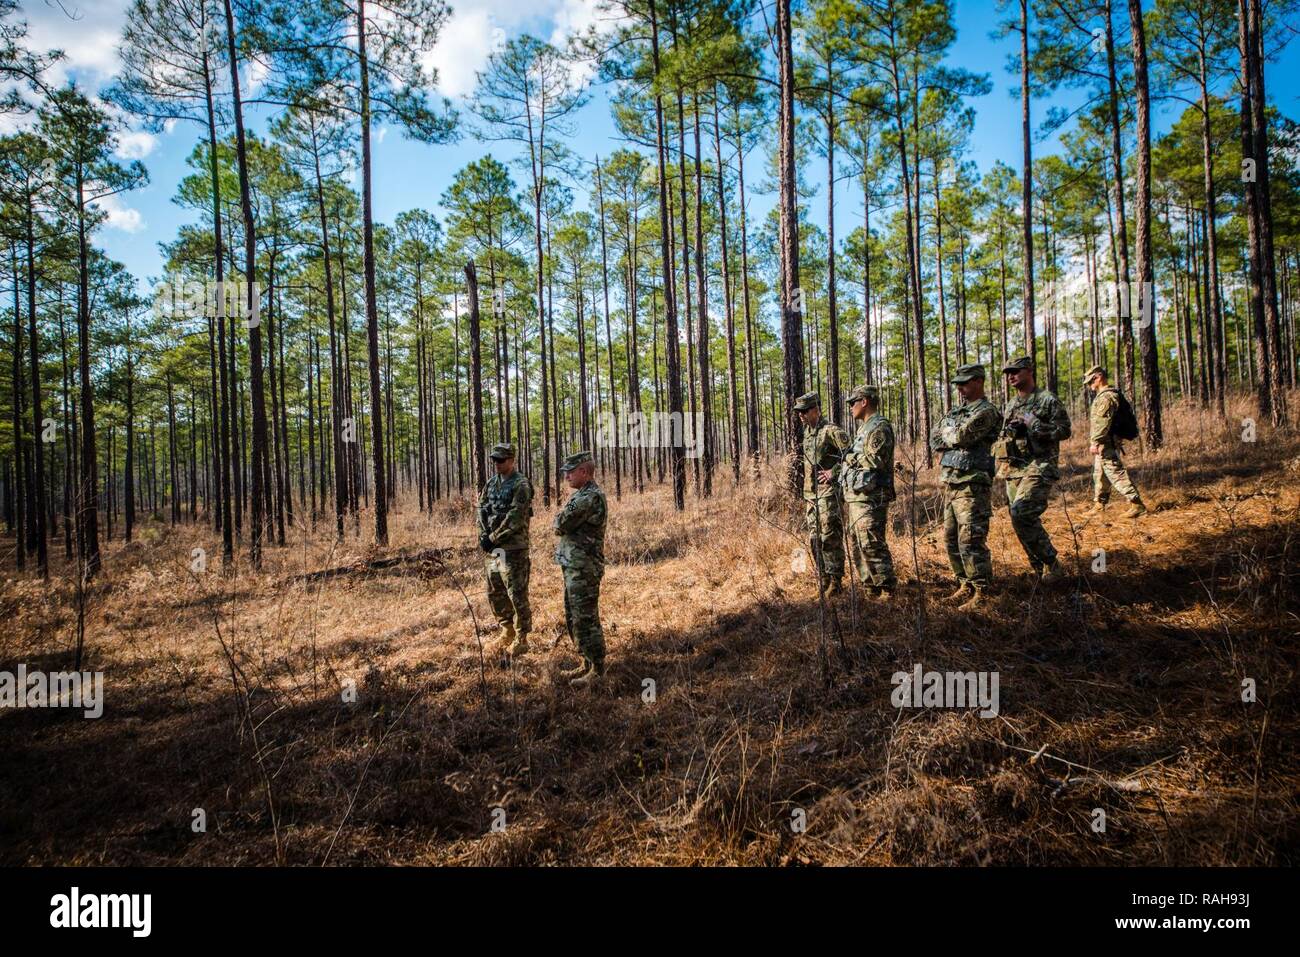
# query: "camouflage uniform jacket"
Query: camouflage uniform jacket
1038,448
965,436
504,507
1101,416
824,445
867,473
581,527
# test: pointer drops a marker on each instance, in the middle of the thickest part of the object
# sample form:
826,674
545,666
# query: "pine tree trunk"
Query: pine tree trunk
791,293
1124,345
751,354
1254,267
671,349
609,338
378,462
88,493
21,518
221,438
733,410
1213,302
129,492
38,445
476,379
706,392
1027,187
251,306
1152,426
1273,372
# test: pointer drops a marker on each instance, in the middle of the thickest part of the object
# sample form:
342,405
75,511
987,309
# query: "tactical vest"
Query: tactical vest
858,481
819,454
1022,448
976,458
498,500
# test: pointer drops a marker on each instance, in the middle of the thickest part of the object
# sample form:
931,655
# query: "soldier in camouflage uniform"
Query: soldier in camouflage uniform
965,437
1033,425
824,444
581,555
1107,467
504,507
867,480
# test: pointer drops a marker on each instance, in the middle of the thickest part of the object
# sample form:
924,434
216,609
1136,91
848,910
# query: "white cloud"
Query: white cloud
88,34
575,17
254,75
11,123
134,145
90,31
476,27
462,50
120,216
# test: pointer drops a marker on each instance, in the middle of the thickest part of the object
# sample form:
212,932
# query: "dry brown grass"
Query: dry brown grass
767,703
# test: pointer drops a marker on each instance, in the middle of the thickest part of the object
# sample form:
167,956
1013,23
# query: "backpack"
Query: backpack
1125,424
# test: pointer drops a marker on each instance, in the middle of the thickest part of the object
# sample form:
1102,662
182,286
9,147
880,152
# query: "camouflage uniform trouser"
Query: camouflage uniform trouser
507,587
869,550
582,610
1029,496
966,512
827,534
1108,472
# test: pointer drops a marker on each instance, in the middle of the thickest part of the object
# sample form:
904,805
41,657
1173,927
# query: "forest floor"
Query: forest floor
770,737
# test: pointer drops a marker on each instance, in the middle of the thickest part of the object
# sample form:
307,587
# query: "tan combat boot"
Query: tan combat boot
589,676
1052,573
1136,510
885,593
519,646
834,587
963,591
1096,508
976,599
505,639
578,669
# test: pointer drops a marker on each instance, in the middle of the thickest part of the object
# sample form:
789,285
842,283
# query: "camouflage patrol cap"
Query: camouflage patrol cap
966,373
575,460
809,400
502,451
1015,365
1093,372
863,392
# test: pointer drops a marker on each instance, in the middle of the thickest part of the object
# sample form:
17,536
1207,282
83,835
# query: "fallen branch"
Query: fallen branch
424,555
1127,783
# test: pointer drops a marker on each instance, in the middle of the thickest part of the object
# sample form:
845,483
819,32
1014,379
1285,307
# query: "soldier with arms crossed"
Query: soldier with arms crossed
965,438
824,444
580,554
504,507
867,477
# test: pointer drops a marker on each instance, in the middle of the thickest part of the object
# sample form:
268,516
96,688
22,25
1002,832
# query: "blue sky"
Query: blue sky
408,174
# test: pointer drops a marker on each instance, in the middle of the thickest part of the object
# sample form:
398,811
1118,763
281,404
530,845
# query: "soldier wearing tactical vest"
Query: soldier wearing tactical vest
580,553
965,437
1107,467
867,480
1034,424
824,444
504,507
